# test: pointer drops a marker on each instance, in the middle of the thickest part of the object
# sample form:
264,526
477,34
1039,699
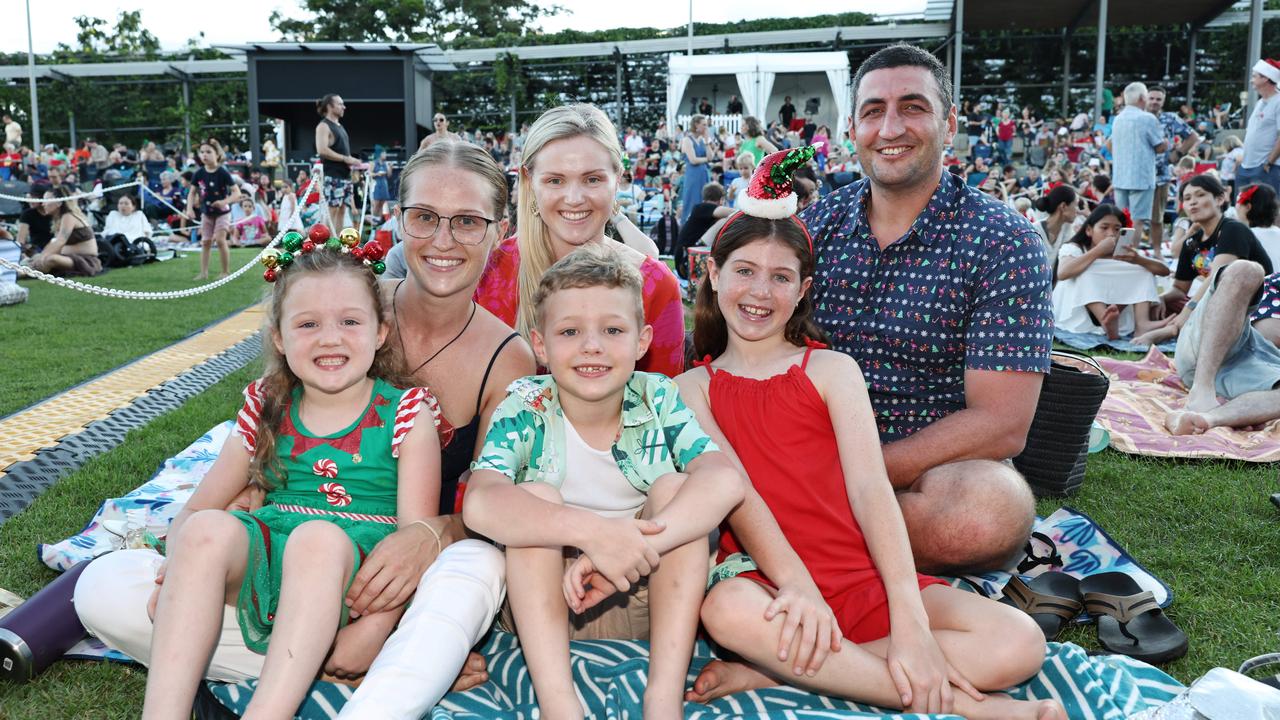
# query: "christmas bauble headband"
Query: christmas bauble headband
318,238
771,192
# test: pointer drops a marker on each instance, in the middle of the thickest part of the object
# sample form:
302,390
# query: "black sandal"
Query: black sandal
1051,599
1271,661
1130,622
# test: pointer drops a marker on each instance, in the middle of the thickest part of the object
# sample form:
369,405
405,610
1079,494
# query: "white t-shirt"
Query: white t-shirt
1261,132
635,145
1270,239
594,482
13,133
132,226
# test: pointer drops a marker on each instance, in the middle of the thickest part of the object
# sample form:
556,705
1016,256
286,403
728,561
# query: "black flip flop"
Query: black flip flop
1270,661
1052,599
1130,622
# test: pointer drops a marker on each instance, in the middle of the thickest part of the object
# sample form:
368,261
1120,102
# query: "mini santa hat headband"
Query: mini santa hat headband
1269,69
771,192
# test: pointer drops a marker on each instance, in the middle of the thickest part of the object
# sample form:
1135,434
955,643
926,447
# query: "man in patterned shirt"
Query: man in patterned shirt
942,296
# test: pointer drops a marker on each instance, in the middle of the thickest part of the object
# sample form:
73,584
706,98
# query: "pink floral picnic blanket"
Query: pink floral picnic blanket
1144,391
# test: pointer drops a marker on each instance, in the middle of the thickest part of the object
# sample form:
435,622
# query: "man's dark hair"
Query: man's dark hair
712,192
901,55
1157,88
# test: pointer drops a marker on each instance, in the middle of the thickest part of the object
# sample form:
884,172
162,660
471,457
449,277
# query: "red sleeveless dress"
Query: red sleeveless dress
781,430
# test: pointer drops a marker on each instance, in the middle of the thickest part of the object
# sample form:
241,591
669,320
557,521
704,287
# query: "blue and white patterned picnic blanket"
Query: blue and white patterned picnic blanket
610,676
612,673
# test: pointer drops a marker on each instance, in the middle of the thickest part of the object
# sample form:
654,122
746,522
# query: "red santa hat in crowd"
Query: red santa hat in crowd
1269,69
771,193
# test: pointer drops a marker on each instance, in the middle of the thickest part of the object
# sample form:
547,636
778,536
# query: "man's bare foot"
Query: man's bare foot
1186,422
200,277
1201,402
1111,322
473,673
724,677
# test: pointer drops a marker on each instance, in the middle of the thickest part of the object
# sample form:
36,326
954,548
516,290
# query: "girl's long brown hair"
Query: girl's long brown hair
279,381
710,334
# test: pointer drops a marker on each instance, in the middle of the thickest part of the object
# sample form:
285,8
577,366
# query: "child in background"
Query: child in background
820,513
580,478
251,229
345,457
213,190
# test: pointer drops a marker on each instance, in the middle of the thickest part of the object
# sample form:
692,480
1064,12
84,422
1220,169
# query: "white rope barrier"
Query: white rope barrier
165,202
97,192
147,295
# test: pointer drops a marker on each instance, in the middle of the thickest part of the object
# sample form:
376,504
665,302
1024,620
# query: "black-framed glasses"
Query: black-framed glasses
422,223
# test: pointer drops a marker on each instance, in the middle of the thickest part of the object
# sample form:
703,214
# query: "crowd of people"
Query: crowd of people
846,459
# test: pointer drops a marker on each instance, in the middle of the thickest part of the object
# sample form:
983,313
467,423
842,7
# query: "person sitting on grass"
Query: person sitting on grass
345,457
1102,286
126,221
580,478
821,517
1258,207
73,251
1219,353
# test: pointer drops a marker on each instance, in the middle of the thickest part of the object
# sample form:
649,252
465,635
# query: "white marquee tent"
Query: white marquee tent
757,74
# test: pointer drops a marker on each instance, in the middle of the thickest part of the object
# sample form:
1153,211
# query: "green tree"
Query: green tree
129,37
408,20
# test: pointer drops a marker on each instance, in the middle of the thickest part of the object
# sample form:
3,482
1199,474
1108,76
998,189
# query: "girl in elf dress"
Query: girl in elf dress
827,540
344,455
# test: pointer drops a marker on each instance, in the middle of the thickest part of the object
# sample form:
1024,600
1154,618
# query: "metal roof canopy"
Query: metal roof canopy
848,33
173,68
1070,15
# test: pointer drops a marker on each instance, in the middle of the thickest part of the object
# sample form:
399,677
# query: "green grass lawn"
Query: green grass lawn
61,337
1206,528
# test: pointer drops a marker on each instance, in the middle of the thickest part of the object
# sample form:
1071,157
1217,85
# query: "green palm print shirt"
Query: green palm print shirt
659,433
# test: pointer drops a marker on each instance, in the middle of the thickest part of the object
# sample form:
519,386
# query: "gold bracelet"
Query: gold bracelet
434,533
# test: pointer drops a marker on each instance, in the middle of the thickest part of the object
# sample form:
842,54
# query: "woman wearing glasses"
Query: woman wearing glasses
568,183
451,199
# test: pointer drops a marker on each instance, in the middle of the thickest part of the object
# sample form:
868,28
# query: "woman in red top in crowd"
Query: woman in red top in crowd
568,181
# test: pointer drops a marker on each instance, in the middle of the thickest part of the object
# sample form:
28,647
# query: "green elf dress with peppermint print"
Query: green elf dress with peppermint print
347,478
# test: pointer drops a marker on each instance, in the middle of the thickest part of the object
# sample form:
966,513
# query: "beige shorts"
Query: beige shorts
623,616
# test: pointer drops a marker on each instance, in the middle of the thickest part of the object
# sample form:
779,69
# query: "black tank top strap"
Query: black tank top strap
485,380
810,346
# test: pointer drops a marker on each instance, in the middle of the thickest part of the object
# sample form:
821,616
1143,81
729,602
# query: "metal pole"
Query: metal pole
1100,68
1255,52
1066,75
617,84
690,27
513,113
71,117
957,51
31,81
1191,69
186,115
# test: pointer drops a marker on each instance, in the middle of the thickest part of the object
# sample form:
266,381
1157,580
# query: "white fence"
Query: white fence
732,123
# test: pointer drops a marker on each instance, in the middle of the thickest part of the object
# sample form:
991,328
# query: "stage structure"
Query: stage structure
761,81
386,87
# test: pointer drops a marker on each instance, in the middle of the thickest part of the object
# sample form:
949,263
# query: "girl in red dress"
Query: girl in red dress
828,598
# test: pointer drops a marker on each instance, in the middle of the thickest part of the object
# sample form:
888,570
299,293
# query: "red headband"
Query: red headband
1246,195
735,216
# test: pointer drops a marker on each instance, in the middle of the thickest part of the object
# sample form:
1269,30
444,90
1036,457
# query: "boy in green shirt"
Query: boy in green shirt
602,486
